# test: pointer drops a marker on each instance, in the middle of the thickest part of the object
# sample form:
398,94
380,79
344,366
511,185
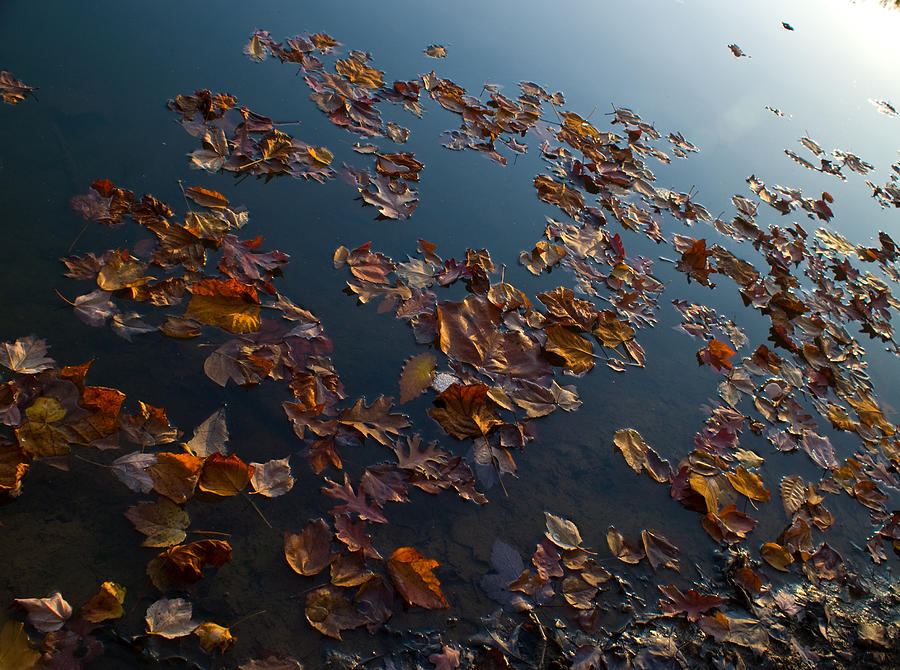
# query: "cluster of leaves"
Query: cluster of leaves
502,352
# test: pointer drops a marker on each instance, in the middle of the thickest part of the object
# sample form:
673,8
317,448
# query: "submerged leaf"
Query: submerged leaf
412,575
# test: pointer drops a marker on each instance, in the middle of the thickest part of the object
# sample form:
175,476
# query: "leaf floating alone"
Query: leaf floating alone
412,576
621,548
170,618
436,51
11,89
46,614
787,26
417,375
736,50
884,107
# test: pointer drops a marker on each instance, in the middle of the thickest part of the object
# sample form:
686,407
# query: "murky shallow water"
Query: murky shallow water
104,76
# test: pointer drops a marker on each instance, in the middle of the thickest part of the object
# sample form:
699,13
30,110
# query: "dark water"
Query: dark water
104,72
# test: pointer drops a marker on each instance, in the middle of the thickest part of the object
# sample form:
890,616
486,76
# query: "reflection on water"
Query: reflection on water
100,113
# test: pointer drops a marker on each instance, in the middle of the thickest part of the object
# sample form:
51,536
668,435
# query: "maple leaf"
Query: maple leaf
446,659
716,354
374,421
46,614
412,576
170,618
690,602
353,534
25,356
355,503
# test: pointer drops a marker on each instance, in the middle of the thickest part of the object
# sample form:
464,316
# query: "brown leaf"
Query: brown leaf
748,483
272,478
659,550
349,569
163,522
463,411
577,352
690,602
621,548
437,51
374,421
412,576
329,612
417,375
106,605
230,305
716,354
182,565
170,618
309,551
562,532
359,73
25,356
567,199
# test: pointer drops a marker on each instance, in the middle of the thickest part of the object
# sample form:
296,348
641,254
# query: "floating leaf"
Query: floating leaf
163,522
412,576
309,551
46,614
106,605
15,650
436,51
213,636
417,375
210,436
690,602
272,478
329,612
224,475
170,618
562,532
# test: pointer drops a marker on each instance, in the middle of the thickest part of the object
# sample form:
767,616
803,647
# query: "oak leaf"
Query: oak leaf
374,421
690,602
411,574
354,502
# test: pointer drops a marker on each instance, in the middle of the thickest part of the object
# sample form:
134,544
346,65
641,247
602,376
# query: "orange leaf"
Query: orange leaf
224,475
716,354
107,604
230,305
412,575
309,551
748,483
175,475
206,198
463,412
